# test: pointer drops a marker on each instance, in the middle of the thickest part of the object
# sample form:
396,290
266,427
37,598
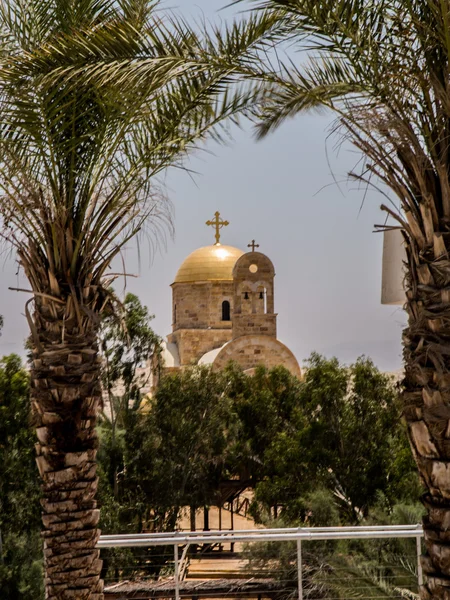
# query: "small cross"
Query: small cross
218,224
253,245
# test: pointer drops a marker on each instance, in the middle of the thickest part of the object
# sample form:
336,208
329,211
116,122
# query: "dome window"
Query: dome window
226,311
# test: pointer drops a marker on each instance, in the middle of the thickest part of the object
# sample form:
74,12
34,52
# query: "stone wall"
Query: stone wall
254,324
194,343
253,350
199,305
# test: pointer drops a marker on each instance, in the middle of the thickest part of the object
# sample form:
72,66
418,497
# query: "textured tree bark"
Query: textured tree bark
65,395
427,401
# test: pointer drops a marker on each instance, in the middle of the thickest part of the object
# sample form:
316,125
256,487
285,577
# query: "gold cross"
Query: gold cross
218,224
253,245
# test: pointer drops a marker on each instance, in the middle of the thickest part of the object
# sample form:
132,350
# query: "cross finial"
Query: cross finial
252,245
218,224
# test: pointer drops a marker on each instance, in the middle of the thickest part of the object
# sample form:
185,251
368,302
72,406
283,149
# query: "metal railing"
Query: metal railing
186,538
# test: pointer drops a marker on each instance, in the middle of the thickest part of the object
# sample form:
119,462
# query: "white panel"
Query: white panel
392,291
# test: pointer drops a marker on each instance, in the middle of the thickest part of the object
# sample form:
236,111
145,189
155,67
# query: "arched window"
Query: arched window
225,311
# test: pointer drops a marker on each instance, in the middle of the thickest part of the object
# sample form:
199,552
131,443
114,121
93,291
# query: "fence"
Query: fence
300,535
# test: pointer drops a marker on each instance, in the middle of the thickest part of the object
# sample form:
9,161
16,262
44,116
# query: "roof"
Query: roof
209,357
209,263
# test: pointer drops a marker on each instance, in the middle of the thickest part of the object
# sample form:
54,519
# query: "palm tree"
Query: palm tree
96,98
383,68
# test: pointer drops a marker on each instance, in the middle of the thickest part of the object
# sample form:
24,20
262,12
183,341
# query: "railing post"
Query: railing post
299,569
177,574
419,562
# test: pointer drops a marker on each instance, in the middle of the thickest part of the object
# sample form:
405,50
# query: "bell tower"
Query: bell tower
253,295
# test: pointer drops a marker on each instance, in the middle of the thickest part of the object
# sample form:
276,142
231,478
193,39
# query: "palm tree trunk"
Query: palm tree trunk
427,401
65,395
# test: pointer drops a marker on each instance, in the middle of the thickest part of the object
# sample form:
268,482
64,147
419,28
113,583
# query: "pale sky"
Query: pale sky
282,192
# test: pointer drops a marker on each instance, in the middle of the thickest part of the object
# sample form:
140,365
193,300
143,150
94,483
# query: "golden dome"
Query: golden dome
210,263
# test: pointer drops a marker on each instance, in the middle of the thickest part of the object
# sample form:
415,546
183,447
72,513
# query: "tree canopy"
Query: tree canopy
348,436
20,544
339,429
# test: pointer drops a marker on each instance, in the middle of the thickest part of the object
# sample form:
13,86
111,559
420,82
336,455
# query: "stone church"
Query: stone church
223,309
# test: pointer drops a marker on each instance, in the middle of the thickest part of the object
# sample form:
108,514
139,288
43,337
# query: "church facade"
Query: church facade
223,310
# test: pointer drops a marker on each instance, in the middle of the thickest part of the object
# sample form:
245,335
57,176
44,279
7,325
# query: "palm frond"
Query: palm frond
95,103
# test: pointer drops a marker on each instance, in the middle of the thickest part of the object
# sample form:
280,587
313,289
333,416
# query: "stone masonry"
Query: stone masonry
252,350
197,318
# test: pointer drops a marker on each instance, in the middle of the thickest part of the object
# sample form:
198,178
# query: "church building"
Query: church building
223,310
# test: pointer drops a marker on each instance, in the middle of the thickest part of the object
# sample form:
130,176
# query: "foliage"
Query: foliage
299,444
355,423
95,103
345,569
21,573
20,543
127,344
172,454
179,450
266,404
385,567
339,429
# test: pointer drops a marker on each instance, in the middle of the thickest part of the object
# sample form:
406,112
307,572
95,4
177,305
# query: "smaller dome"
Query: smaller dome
210,263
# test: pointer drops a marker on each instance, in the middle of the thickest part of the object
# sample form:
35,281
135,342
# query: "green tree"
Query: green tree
127,345
339,429
356,431
267,405
21,568
179,452
97,98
